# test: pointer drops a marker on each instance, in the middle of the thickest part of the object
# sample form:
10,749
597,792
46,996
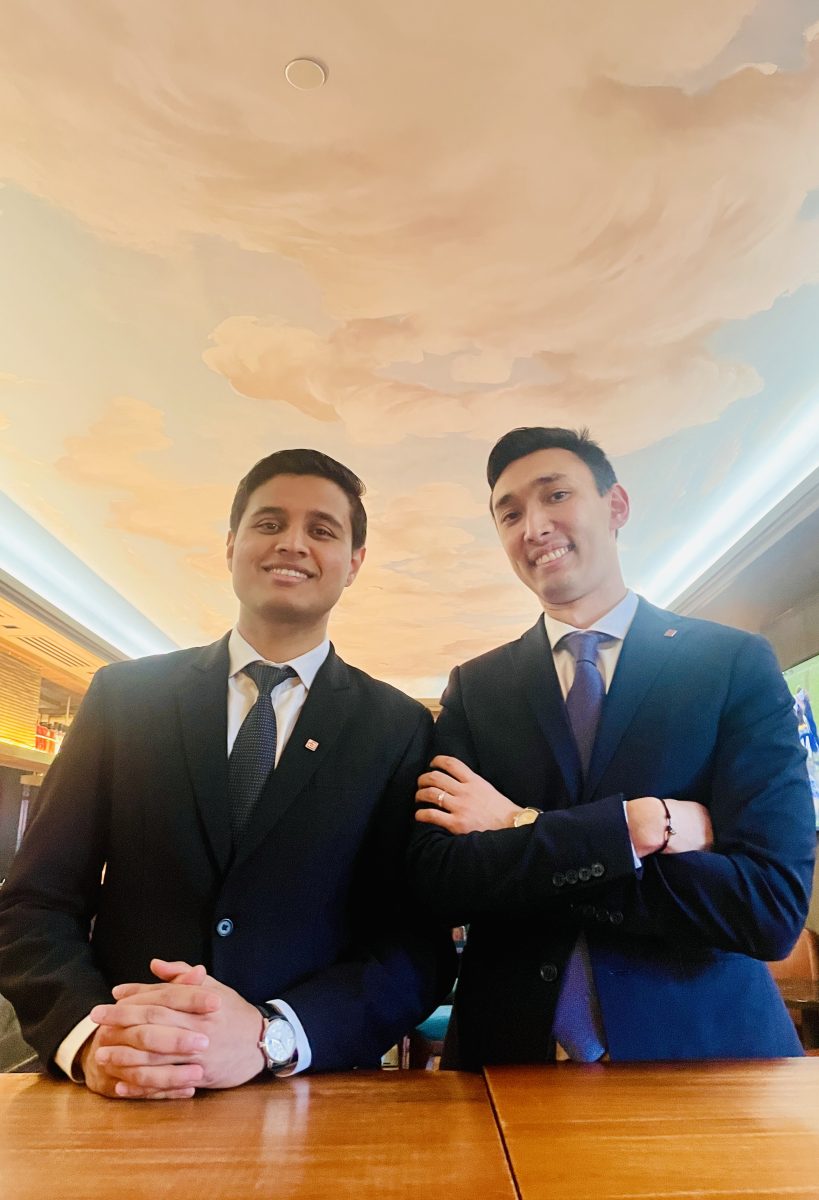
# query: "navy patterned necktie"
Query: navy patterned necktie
254,752
578,1025
584,702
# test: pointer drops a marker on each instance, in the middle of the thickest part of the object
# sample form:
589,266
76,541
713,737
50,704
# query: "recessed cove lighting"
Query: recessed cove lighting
782,468
305,74
40,562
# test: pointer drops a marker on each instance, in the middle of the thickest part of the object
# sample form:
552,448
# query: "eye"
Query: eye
267,526
560,495
508,517
321,531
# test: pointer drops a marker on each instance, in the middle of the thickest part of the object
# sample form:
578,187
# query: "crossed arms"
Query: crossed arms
738,878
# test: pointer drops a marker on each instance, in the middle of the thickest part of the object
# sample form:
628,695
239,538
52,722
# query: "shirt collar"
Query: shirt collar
306,666
615,623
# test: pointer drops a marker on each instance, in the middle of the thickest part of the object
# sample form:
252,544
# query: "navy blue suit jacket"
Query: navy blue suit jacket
315,893
675,946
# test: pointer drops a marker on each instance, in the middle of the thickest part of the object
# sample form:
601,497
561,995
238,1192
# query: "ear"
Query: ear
231,539
355,564
619,507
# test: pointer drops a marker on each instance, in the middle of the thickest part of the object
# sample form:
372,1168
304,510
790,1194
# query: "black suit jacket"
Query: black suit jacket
698,714
311,906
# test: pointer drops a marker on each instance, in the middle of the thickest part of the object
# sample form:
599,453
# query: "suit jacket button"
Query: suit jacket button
548,972
571,876
597,869
224,927
558,879
584,874
616,917
602,914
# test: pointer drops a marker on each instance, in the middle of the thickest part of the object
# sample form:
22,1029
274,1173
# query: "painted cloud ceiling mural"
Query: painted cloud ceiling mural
573,212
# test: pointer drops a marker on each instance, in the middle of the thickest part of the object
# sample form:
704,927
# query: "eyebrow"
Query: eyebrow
508,497
315,514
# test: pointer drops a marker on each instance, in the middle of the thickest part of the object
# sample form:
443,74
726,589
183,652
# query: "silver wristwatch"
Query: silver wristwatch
278,1040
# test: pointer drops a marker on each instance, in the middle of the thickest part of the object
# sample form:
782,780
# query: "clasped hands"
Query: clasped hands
161,1041
464,802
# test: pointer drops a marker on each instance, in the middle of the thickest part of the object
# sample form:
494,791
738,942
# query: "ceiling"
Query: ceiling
537,212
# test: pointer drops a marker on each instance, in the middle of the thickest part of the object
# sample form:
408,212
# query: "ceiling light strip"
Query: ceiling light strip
766,485
43,564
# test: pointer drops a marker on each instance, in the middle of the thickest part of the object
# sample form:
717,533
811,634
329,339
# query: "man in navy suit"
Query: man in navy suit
250,802
618,805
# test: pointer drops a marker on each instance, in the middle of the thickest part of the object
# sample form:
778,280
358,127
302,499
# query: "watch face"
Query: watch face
279,1040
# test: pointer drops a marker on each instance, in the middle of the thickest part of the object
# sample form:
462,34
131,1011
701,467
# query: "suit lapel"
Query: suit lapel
646,650
202,705
330,702
534,665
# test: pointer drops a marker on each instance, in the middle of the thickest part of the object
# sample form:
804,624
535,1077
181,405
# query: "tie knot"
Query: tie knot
266,676
583,643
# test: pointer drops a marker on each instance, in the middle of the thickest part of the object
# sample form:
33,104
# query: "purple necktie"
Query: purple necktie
578,1025
254,752
584,702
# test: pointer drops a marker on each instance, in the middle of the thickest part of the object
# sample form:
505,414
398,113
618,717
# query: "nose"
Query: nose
537,522
292,540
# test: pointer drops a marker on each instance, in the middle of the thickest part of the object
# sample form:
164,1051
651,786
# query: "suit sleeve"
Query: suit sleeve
403,964
514,872
48,902
750,894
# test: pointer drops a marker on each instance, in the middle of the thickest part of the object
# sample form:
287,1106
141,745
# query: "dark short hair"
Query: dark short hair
520,442
304,462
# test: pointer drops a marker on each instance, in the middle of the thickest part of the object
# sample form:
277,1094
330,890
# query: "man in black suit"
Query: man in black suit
250,804
619,804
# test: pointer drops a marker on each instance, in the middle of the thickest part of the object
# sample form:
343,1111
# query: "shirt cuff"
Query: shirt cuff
638,862
304,1055
68,1052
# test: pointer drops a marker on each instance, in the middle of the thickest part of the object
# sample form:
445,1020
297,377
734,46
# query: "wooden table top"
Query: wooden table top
726,1130
367,1134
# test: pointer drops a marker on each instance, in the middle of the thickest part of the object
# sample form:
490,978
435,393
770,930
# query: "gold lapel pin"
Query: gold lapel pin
311,744
670,633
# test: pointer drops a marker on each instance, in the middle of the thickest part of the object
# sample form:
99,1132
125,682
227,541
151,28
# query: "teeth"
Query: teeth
552,556
290,574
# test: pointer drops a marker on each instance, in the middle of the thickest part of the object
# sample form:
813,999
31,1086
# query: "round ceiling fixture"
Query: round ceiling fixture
305,74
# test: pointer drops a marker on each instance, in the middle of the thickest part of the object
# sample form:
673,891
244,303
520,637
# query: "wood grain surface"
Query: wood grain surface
373,1134
726,1130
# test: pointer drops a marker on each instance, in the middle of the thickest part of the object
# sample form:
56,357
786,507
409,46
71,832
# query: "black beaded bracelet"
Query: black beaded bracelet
669,828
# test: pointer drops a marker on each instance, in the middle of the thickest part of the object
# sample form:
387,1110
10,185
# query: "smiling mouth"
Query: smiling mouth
287,572
551,556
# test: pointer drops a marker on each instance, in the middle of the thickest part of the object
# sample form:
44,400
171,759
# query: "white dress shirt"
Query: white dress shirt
287,698
615,624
